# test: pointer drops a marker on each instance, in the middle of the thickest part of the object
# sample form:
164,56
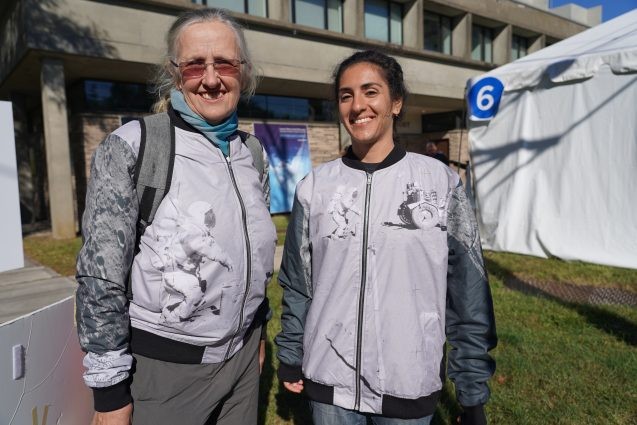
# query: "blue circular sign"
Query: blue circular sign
484,98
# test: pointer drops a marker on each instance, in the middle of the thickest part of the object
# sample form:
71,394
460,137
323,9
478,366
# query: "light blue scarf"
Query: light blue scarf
217,133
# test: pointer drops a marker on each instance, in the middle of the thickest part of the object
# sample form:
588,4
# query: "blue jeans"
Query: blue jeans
327,414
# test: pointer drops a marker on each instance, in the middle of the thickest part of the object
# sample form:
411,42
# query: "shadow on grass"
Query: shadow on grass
265,383
293,407
289,407
604,320
448,408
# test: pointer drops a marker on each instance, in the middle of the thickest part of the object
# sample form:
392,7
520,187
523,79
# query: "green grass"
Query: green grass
281,223
557,362
58,254
526,267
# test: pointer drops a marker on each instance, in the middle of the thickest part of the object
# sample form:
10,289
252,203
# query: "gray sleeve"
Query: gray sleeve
103,263
470,322
265,179
295,278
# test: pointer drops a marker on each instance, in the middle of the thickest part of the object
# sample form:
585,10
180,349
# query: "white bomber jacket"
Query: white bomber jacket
199,278
379,270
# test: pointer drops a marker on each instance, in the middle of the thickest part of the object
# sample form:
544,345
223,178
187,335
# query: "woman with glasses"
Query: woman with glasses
382,264
185,347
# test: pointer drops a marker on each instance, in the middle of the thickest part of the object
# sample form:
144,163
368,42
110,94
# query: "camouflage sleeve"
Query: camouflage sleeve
296,281
470,322
265,178
108,230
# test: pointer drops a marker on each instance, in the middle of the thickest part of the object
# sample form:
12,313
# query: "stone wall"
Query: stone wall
453,143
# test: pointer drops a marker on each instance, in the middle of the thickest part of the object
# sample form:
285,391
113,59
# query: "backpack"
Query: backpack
154,168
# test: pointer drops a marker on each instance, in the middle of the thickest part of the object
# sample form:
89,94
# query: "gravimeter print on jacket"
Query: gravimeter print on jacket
420,209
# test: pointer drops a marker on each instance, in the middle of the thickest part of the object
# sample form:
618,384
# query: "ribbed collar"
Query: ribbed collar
352,161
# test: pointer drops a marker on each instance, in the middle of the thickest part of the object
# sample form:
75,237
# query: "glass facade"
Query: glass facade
482,43
437,33
288,108
519,47
384,21
110,96
323,14
253,7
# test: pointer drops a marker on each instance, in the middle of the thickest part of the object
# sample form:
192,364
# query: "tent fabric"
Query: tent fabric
555,170
578,57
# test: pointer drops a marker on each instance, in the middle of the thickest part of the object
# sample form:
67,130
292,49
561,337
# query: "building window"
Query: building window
384,21
253,7
482,43
519,47
110,96
437,33
324,14
287,108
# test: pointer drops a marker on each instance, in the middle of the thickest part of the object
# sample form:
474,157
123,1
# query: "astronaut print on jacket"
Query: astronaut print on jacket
183,253
420,209
344,212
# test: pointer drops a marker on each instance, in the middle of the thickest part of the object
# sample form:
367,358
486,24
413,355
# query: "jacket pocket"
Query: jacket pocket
433,344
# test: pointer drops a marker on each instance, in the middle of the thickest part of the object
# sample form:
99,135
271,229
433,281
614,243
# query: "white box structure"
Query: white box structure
11,256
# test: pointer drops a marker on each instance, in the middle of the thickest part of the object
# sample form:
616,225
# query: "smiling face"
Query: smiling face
365,106
211,96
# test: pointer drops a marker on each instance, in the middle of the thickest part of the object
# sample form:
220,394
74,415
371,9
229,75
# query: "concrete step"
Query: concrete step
26,274
31,288
28,304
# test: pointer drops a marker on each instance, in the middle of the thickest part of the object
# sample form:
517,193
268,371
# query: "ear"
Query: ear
397,106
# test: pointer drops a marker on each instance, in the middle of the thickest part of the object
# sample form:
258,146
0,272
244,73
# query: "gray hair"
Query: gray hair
167,77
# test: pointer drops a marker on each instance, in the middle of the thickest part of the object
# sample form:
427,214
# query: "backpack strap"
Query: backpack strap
154,168
153,172
256,150
259,161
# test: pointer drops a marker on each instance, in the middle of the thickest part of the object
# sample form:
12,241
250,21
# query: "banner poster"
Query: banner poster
289,154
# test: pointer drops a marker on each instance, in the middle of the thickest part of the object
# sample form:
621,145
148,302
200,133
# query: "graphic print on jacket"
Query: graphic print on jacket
420,209
186,244
344,212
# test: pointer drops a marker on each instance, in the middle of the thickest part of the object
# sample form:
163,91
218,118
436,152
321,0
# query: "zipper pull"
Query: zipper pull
369,179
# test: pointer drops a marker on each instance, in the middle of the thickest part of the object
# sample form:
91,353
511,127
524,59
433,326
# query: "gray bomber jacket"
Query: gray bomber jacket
199,278
379,270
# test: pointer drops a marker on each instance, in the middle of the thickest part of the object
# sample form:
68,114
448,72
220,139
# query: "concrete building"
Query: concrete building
77,69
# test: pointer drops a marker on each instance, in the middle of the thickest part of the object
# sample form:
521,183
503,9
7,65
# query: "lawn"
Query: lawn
557,362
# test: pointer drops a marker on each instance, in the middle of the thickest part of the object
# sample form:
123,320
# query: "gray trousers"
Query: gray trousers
224,393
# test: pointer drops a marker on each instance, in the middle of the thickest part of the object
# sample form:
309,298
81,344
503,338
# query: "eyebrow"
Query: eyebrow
363,86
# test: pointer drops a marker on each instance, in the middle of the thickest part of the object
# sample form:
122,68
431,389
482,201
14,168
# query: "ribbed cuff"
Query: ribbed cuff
287,373
112,398
473,415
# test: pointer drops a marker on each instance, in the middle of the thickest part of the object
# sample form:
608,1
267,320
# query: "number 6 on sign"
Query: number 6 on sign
484,98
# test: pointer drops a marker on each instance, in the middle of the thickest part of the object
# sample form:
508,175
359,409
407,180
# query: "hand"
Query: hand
116,417
295,387
261,354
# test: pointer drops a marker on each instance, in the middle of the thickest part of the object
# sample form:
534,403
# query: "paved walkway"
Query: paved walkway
578,294
30,288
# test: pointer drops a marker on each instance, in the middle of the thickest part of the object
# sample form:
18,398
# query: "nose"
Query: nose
358,103
210,76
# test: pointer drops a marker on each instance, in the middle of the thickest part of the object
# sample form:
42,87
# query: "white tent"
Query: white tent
553,141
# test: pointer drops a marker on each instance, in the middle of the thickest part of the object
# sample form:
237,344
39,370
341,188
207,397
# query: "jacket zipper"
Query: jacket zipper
361,298
244,220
